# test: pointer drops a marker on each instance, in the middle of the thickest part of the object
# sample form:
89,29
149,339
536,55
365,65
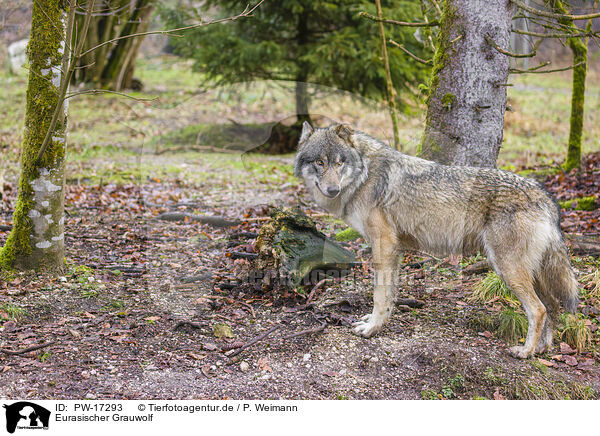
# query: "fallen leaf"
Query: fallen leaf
546,362
570,360
498,395
566,348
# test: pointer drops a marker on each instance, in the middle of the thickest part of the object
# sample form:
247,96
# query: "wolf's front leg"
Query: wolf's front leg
385,257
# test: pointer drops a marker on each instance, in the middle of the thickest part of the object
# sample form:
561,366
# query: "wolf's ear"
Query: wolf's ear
344,131
307,130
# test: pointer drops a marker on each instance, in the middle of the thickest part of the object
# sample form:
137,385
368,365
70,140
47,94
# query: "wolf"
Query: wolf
400,202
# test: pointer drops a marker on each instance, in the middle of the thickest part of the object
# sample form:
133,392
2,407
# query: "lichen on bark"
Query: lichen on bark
36,240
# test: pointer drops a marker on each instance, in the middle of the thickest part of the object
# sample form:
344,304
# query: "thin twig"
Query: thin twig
246,13
255,340
26,350
314,289
432,23
415,57
106,91
493,43
536,71
307,331
554,15
556,35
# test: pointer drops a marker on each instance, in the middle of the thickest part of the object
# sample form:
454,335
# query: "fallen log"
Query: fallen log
291,252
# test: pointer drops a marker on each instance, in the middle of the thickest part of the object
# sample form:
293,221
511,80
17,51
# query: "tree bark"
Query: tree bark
36,240
467,96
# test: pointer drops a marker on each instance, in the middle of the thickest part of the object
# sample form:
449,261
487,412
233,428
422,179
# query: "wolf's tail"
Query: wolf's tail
556,282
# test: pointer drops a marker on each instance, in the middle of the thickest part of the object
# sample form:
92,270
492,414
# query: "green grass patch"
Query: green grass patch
347,235
582,203
574,331
12,312
492,288
512,325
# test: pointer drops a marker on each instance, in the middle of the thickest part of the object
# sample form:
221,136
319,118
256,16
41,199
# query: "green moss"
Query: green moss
42,98
582,203
440,59
347,235
448,101
580,54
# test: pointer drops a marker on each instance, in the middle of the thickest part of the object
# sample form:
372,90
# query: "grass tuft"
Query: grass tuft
592,284
492,288
574,332
512,325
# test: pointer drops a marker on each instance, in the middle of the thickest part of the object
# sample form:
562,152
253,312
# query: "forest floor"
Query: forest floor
150,309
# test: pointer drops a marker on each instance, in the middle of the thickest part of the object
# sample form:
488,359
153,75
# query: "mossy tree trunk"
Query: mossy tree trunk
111,66
467,92
37,237
579,49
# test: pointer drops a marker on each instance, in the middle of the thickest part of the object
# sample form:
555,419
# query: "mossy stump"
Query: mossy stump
292,252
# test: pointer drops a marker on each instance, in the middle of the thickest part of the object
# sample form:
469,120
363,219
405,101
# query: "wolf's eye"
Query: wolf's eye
340,163
320,163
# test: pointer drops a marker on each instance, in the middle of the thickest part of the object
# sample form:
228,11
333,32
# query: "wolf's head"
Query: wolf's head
328,160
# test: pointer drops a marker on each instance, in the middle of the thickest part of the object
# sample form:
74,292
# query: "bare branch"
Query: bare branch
554,15
414,56
400,23
247,12
493,43
106,91
556,35
535,70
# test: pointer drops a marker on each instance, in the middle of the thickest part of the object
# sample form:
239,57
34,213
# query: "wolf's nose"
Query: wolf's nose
332,191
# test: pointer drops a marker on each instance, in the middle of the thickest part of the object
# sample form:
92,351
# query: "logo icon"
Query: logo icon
26,415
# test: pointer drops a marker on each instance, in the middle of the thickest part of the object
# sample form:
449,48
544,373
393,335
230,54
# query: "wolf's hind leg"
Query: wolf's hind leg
386,258
520,281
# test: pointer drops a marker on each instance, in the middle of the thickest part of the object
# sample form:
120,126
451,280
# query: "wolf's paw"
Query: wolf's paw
520,352
367,326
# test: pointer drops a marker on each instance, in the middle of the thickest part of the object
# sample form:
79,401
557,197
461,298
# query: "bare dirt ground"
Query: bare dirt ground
134,314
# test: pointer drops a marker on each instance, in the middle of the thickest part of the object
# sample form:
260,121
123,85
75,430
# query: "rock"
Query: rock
17,56
244,367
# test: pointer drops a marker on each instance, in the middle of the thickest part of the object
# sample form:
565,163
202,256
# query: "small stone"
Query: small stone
306,357
209,347
244,367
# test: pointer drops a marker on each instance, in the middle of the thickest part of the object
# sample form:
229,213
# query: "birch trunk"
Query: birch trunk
37,237
467,92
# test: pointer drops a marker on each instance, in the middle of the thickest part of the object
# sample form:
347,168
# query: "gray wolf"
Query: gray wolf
399,202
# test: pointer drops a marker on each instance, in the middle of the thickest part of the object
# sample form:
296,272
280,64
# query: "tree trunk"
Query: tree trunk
467,92
111,66
391,92
36,240
580,54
